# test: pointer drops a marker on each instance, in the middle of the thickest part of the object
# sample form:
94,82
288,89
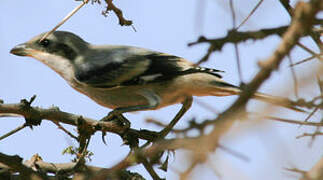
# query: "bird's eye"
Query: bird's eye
44,42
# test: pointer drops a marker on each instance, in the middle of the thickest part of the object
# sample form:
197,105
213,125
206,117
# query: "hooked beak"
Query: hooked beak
20,50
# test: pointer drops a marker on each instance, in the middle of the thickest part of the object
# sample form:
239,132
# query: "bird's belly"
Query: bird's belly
131,96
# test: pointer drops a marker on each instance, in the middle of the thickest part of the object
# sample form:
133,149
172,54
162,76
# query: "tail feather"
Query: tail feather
223,88
280,101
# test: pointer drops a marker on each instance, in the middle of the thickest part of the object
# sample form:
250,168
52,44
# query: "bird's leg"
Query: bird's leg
186,105
117,113
118,118
152,99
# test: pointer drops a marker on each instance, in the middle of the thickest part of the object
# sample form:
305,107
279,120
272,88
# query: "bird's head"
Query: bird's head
58,51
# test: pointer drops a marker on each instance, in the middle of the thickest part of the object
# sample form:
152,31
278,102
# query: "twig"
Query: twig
294,121
234,153
118,12
234,36
308,50
320,84
83,152
296,170
250,14
68,16
316,102
13,131
302,61
237,36
192,125
149,168
309,134
65,130
311,114
287,6
294,76
236,50
232,14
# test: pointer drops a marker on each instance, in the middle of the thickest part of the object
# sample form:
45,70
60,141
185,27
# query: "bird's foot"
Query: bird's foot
114,116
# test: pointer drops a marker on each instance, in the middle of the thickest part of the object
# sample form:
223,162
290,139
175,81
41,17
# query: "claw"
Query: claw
103,137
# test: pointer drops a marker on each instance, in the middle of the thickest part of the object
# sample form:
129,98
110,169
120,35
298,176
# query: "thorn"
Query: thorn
103,136
32,99
133,27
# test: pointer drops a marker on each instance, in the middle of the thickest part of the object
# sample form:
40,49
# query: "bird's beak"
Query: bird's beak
20,50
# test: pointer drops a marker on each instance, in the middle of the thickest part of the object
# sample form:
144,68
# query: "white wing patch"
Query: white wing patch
150,77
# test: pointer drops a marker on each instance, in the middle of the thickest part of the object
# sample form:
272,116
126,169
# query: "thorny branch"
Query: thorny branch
303,19
301,24
235,37
55,115
62,170
15,162
110,7
118,12
310,134
314,35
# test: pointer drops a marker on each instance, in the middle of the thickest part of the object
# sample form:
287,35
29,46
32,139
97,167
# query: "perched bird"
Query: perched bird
126,78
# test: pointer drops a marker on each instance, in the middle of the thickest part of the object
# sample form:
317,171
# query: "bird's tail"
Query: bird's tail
280,101
224,89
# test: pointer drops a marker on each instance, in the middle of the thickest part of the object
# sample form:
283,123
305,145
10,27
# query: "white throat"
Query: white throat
59,64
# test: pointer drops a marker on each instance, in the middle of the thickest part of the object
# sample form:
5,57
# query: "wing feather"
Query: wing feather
131,66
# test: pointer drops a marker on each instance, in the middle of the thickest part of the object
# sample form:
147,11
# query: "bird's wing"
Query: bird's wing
129,66
164,67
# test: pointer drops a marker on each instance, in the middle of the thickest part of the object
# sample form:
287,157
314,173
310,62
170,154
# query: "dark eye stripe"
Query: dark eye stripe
44,42
62,49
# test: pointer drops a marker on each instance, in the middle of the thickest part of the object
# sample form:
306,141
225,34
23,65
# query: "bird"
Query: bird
128,78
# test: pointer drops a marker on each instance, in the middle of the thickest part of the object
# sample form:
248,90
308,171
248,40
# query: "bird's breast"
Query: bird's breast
126,96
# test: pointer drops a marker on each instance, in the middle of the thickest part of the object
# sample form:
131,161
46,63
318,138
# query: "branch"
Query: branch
67,17
310,134
234,36
58,169
301,24
118,12
13,131
250,14
314,35
55,115
194,144
294,121
316,173
15,162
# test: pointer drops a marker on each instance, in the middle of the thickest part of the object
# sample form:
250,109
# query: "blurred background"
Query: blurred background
166,26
